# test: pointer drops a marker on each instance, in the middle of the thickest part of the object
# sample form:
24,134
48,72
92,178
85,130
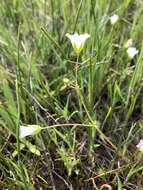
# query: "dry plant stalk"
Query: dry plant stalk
108,187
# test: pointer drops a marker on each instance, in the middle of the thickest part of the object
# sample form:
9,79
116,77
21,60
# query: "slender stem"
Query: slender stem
90,88
76,70
18,87
93,124
52,14
68,124
77,85
55,43
18,79
77,15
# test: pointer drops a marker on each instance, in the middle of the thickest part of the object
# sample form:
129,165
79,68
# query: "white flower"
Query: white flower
78,41
114,18
140,145
129,43
29,130
132,51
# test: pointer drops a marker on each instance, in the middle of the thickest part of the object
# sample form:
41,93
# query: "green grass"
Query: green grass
93,122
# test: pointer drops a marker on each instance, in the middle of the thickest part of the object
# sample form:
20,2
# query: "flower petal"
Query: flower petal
114,18
78,41
29,130
132,51
140,145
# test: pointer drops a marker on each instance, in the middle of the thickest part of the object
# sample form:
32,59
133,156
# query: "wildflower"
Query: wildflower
78,41
132,51
114,18
129,43
140,145
29,130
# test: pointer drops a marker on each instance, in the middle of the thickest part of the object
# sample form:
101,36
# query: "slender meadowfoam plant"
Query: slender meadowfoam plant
78,42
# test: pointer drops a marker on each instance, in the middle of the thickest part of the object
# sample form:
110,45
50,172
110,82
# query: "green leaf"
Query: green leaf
32,148
16,152
119,184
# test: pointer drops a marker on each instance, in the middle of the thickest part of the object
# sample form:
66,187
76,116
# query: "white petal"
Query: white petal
83,37
78,40
69,36
131,51
28,130
114,18
140,145
129,43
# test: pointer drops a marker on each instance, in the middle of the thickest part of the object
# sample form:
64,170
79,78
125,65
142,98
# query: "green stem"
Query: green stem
52,14
76,70
18,79
77,85
93,124
18,85
90,87
77,15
